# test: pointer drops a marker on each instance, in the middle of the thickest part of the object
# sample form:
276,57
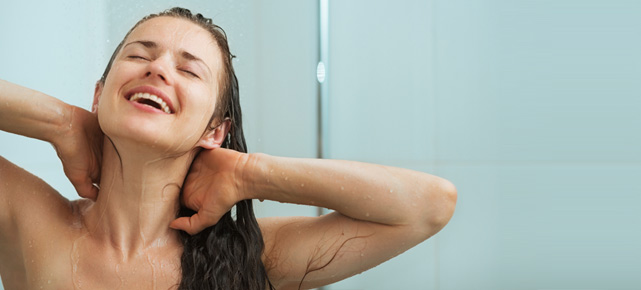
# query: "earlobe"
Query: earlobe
96,97
216,137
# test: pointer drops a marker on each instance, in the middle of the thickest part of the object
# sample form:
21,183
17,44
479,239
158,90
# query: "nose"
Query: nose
158,69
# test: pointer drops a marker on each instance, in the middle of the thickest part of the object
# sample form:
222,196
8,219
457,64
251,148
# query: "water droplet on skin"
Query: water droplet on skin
342,188
153,272
302,185
271,170
286,177
362,255
367,214
391,191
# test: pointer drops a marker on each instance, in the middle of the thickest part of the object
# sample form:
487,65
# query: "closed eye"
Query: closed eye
190,72
136,57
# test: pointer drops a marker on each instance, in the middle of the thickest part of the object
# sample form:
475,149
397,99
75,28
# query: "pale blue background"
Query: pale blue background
531,108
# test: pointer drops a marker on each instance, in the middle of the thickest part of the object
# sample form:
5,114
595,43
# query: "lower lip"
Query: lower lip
146,108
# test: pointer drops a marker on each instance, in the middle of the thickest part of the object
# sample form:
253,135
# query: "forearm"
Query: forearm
31,113
375,193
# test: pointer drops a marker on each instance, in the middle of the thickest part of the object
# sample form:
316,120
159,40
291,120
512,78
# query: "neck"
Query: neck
138,198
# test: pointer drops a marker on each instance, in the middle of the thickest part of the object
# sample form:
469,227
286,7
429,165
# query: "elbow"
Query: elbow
442,203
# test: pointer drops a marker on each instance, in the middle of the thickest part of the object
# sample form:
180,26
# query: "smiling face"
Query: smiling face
162,87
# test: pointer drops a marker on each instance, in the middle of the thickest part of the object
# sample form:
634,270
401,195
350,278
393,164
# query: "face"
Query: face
162,87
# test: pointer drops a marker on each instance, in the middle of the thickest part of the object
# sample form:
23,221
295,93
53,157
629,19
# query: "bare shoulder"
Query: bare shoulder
32,215
27,203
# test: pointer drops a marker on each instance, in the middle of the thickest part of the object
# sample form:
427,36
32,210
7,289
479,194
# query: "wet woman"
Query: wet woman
161,161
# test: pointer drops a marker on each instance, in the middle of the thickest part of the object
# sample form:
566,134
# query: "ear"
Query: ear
216,137
96,97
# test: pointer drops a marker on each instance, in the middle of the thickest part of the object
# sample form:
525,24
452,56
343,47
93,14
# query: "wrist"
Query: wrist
252,176
62,127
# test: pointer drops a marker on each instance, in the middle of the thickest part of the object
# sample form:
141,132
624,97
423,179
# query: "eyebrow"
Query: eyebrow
184,54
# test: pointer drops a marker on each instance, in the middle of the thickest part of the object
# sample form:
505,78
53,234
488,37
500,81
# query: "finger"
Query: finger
95,175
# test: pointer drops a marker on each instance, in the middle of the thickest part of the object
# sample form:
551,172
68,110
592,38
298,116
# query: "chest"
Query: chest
78,264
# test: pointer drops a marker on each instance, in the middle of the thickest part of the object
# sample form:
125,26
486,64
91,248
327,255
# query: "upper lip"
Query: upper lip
152,91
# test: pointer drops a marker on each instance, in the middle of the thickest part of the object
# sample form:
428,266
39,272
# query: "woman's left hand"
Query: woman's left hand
214,184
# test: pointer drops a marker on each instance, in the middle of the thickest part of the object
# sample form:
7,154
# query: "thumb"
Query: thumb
86,189
192,225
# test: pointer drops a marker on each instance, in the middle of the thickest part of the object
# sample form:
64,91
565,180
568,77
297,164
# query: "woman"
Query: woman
168,106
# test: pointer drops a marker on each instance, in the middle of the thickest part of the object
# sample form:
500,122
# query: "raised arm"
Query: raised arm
380,211
31,113
70,129
73,131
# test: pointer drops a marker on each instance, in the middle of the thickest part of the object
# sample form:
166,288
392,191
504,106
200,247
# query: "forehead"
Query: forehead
176,34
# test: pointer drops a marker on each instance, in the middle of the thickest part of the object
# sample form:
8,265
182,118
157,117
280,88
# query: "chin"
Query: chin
148,139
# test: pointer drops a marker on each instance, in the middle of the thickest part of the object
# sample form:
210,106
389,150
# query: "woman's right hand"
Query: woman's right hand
79,147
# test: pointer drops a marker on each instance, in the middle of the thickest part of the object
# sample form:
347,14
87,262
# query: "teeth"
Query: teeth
154,98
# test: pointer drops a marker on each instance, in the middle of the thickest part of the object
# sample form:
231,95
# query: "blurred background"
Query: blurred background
531,108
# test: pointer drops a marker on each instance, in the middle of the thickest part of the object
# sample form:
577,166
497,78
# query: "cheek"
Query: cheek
202,103
199,119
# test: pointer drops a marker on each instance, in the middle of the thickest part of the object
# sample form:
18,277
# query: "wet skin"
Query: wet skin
127,237
57,250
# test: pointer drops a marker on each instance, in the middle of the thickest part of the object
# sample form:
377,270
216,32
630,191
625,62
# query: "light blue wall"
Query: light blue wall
531,108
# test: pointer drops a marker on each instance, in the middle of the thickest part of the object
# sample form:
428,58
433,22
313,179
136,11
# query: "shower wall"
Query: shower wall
531,108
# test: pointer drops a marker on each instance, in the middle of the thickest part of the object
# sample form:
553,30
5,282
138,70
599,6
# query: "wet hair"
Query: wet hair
228,254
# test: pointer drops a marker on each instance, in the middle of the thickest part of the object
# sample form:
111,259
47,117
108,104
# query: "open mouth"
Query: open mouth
150,100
